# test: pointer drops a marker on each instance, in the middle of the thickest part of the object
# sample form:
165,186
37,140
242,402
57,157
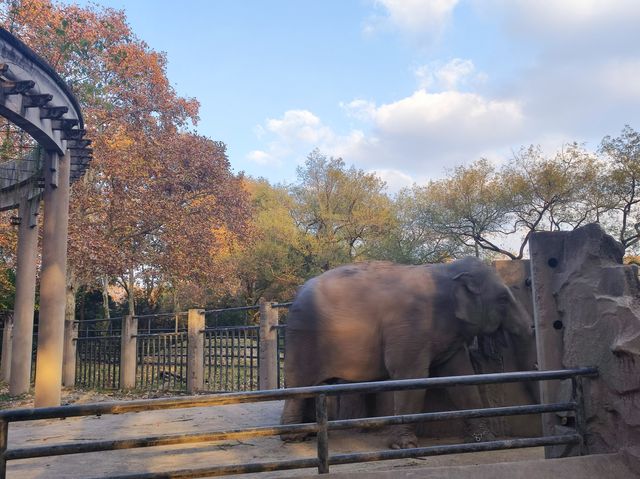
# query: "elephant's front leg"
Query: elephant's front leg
403,436
466,397
400,366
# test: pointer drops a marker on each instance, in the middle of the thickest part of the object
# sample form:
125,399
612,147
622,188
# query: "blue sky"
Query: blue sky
405,88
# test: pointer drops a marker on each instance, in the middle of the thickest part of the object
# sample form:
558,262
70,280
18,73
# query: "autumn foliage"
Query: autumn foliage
159,200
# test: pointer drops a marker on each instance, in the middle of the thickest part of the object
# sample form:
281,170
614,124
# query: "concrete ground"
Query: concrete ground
166,458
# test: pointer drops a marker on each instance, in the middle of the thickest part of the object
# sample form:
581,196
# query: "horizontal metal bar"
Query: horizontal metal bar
231,328
445,415
158,335
97,337
161,315
98,320
281,305
454,449
152,441
237,308
120,407
357,457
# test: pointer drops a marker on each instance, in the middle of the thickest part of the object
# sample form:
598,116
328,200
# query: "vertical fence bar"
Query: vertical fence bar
195,351
4,438
323,434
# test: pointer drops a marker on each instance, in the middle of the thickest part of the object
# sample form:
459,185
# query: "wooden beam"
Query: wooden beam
33,101
53,112
16,87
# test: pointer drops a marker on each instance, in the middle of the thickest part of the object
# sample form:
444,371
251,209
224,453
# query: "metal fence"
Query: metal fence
98,354
321,427
232,353
231,356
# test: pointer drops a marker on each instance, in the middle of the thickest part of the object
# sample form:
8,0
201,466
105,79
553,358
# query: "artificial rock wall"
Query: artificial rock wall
587,313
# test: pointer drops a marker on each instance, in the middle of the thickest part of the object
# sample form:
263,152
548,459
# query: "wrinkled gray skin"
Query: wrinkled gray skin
376,321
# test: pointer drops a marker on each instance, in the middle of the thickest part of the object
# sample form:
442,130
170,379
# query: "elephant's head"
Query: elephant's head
483,303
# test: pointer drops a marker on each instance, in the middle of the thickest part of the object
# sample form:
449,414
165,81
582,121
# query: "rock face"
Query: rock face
587,312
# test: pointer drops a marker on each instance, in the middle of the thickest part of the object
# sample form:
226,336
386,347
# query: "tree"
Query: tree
552,193
152,183
342,209
271,264
622,154
413,237
470,207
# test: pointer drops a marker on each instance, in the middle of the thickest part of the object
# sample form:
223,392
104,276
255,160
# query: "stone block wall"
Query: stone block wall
587,312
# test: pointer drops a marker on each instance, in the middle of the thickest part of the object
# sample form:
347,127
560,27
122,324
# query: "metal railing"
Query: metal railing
321,427
231,356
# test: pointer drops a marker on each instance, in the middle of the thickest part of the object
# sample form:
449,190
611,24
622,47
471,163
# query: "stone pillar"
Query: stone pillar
53,281
195,351
547,258
128,350
69,353
7,335
587,313
26,268
268,347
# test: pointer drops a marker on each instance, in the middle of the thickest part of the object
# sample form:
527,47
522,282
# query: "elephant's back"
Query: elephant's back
355,296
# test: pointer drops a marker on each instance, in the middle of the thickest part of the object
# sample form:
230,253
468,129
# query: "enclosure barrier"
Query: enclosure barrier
320,427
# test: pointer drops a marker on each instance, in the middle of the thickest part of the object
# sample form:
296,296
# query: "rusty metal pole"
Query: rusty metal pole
7,336
53,281
195,351
268,347
128,350
26,268
323,434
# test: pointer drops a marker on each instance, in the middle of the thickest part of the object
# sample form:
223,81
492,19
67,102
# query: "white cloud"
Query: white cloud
419,135
395,179
456,74
359,109
261,157
421,19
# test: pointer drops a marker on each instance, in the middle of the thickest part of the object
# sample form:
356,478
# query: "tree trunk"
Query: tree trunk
132,309
72,288
105,297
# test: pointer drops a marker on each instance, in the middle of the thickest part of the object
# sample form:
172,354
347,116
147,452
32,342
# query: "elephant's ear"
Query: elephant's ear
467,297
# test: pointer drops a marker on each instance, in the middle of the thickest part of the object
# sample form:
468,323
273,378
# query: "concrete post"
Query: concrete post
128,350
195,351
53,281
22,342
6,348
69,353
546,251
268,347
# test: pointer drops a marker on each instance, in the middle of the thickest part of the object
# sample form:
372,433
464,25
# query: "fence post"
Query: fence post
268,347
7,336
195,351
128,352
69,353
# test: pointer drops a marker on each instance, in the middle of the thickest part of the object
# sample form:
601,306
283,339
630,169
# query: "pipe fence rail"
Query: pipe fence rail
321,427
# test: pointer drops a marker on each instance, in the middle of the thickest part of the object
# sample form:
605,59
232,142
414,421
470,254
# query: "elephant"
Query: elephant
374,321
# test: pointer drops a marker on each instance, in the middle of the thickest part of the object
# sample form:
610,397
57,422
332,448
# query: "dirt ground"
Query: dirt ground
166,458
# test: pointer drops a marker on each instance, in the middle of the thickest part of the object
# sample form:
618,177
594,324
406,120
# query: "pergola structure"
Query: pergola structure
41,151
